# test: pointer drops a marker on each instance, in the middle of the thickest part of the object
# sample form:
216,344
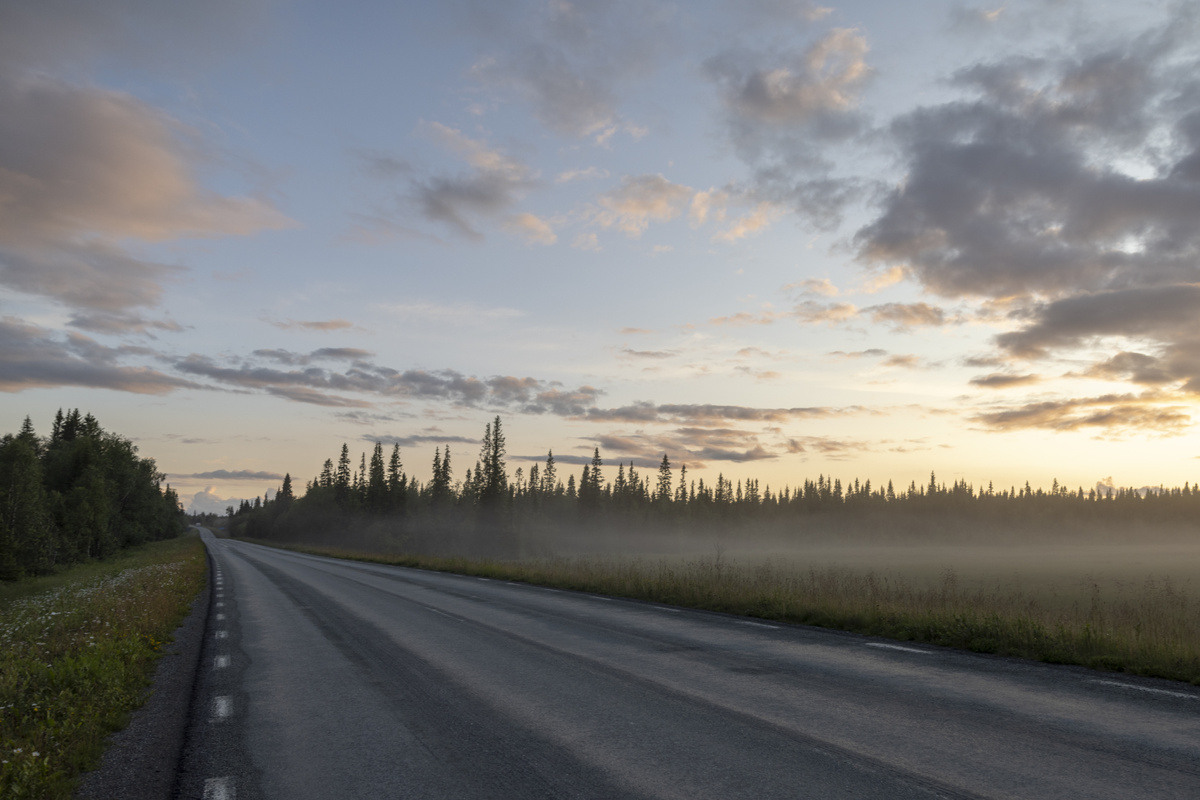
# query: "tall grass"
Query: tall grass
77,651
1148,628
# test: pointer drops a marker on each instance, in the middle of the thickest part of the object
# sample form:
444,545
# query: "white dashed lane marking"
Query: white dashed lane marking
222,707
220,662
219,789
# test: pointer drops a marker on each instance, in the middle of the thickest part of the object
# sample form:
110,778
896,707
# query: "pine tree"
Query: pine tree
493,479
663,495
342,478
377,485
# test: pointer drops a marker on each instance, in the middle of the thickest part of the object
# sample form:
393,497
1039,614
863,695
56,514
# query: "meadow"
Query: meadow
77,652
1122,607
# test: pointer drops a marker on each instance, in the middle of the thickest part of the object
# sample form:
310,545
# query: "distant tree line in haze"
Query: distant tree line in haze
488,500
81,493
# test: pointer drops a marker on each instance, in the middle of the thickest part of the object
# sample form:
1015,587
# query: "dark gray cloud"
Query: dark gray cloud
310,383
324,353
1027,188
1062,189
32,357
1157,312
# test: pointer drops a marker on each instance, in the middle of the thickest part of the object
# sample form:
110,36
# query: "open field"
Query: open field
77,651
1131,608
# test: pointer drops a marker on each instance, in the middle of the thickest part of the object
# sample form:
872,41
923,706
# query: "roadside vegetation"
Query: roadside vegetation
80,494
1149,627
77,652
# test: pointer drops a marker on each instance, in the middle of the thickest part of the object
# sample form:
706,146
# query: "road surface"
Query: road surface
336,679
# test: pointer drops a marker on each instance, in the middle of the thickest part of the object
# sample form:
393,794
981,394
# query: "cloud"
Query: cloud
312,325
494,185
873,352
813,312
323,353
651,354
903,361
568,61
534,229
32,357
708,414
638,201
1111,414
1061,190
902,316
85,171
691,446
759,218
1025,187
231,475
421,438
1002,380
317,385
813,286
822,80
1158,312
586,173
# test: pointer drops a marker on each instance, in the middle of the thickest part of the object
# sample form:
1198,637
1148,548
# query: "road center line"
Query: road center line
899,647
1137,688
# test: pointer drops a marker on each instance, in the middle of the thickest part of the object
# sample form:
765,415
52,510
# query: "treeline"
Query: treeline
487,497
81,493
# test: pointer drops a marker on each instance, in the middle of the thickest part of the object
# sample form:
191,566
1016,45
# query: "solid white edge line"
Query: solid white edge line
756,624
1137,688
665,608
219,789
899,647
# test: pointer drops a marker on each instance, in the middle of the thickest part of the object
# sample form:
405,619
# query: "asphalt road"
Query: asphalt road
334,679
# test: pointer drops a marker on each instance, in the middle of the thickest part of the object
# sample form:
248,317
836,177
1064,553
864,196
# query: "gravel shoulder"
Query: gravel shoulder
141,761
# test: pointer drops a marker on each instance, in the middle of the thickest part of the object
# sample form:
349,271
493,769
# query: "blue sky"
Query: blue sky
771,239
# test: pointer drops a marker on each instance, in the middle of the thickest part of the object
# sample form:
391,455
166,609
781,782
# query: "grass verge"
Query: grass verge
1149,628
77,651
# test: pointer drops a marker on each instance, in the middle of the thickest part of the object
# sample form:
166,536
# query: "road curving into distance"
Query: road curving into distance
324,678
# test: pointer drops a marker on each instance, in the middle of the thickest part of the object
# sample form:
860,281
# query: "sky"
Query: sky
767,238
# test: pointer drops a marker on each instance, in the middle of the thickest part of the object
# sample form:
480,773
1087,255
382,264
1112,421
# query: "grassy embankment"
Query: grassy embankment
1066,612
77,651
